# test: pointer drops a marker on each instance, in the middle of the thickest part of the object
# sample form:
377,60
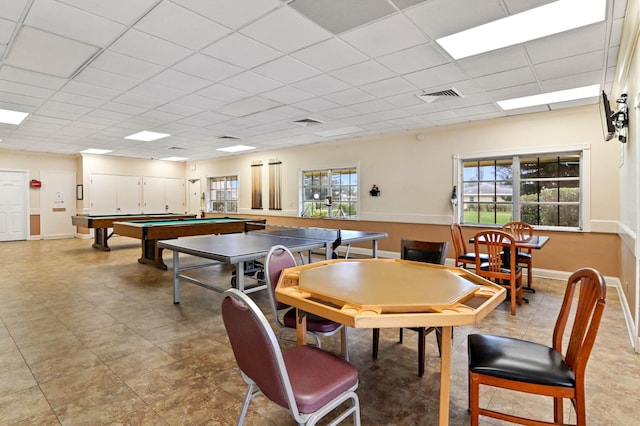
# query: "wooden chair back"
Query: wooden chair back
521,231
424,251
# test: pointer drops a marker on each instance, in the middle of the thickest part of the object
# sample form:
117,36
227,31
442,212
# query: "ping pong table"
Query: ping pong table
236,249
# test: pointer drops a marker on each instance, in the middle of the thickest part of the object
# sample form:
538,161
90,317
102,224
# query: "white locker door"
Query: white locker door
103,194
13,205
175,195
153,194
128,194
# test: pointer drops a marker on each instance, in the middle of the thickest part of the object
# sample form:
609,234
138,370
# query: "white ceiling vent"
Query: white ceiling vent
448,93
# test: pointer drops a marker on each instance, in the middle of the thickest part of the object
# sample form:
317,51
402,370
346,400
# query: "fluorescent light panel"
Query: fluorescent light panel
174,159
95,151
12,117
552,18
147,136
236,148
551,97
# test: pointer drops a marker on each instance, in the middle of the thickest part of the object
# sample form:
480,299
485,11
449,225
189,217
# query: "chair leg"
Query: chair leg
474,399
374,343
400,337
421,351
245,404
557,411
344,348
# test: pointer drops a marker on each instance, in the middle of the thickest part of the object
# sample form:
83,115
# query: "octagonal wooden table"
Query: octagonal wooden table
379,293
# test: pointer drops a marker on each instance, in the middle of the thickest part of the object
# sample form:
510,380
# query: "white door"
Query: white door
174,194
13,205
57,204
153,195
196,202
103,194
128,194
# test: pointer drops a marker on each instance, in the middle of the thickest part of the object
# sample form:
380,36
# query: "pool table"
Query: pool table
150,232
102,223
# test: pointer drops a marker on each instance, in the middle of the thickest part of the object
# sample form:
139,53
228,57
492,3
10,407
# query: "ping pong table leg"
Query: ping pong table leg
240,276
445,375
374,251
176,278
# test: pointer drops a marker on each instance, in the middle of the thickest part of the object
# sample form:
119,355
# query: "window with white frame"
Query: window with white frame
223,194
330,193
540,189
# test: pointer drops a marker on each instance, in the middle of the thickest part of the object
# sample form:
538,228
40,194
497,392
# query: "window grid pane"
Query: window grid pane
549,190
223,194
330,193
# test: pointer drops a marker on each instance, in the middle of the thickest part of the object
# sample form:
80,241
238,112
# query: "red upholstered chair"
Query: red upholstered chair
427,252
308,381
463,256
279,258
505,272
522,231
557,370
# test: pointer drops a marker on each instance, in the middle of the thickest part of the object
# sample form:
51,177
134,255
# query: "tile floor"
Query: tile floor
92,337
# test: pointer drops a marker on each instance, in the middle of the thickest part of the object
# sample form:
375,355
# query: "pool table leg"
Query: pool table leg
445,375
176,277
101,238
152,254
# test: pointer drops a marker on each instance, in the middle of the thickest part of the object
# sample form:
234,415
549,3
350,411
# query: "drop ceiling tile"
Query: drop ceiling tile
6,30
495,61
513,92
252,82
223,94
372,106
568,43
572,81
18,100
122,11
338,16
330,55
227,12
47,53
75,99
207,67
286,70
518,6
123,110
316,104
342,113
198,101
149,48
127,66
591,61
91,90
67,21
181,26
25,89
389,87
438,18
506,79
179,80
242,51
31,78
363,73
404,100
321,85
413,59
101,78
133,99
287,95
12,10
375,40
435,76
156,91
350,96
286,30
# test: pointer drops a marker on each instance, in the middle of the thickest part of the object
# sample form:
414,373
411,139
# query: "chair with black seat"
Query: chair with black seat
501,265
522,231
463,256
533,368
427,252
308,381
279,258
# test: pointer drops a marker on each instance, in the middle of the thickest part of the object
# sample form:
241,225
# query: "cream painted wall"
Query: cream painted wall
124,166
35,163
416,177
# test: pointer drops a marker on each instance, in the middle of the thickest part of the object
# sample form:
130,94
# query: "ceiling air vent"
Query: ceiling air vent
306,122
176,147
448,93
228,137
